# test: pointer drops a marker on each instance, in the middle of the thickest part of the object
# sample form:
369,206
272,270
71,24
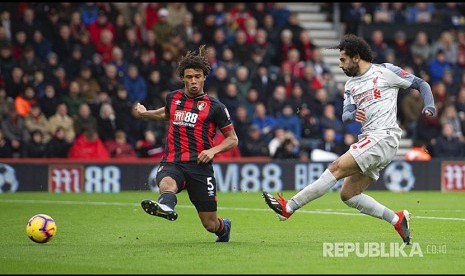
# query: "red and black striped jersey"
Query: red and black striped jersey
193,123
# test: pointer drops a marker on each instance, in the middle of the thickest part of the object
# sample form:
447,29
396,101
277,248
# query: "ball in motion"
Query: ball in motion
41,228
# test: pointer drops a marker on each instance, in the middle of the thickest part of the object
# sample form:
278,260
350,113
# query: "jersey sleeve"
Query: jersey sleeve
222,118
404,79
399,77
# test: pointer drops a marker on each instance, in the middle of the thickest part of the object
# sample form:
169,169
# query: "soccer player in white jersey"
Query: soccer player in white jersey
370,98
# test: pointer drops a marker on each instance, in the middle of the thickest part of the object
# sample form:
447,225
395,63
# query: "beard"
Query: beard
352,70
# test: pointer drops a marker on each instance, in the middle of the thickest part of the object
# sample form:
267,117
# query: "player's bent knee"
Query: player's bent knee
346,195
351,201
168,184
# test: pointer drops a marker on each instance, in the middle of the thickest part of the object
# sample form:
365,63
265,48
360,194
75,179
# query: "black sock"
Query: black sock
169,199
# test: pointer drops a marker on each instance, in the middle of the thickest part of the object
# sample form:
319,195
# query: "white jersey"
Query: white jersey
375,92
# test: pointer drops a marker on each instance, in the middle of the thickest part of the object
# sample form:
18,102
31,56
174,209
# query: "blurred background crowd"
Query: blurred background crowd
70,74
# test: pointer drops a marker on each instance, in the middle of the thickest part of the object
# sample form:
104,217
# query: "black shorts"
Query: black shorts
197,179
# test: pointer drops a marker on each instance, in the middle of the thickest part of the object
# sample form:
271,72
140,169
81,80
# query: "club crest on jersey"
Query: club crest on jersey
404,73
201,105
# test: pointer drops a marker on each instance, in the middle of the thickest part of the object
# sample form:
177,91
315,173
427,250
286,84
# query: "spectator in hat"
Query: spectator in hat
162,29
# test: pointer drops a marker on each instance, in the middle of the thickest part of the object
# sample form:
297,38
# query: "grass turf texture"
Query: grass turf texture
111,234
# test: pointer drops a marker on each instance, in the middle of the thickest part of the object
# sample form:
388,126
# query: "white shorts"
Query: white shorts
374,151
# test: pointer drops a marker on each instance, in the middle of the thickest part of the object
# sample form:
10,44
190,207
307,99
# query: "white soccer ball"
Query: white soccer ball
8,180
151,179
399,177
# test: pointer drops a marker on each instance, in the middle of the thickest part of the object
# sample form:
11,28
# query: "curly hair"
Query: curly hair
354,45
193,61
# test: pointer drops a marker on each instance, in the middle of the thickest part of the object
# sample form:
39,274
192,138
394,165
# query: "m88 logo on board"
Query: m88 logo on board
79,178
452,176
66,178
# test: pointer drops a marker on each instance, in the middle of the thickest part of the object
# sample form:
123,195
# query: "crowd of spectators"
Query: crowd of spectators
439,60
71,73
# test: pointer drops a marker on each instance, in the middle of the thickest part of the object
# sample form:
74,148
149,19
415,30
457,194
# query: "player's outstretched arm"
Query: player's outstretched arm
156,114
429,108
228,143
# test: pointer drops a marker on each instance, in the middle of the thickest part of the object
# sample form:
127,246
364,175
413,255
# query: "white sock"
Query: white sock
312,191
369,206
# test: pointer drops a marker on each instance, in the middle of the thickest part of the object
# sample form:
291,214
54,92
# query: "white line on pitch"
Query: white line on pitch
321,211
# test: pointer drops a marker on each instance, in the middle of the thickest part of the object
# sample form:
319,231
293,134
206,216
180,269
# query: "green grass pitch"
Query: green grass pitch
111,234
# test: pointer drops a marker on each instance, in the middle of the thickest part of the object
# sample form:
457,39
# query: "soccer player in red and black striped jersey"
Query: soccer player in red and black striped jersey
194,117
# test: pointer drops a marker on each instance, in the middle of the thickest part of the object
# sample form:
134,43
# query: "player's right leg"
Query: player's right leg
168,181
345,165
277,204
155,208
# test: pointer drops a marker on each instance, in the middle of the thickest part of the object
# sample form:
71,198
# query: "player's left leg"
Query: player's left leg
202,193
352,195
214,224
169,180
